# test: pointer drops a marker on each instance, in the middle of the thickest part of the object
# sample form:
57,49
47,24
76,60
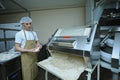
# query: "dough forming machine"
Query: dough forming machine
89,47
71,50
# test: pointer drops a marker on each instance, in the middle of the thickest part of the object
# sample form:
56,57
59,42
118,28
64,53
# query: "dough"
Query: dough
64,65
66,60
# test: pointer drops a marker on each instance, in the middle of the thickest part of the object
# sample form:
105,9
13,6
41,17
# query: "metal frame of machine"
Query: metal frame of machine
96,42
83,43
110,50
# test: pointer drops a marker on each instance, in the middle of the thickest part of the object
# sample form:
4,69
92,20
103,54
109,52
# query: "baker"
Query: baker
26,41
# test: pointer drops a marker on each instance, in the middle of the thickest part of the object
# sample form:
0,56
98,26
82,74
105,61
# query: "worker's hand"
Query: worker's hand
31,50
39,45
34,50
37,49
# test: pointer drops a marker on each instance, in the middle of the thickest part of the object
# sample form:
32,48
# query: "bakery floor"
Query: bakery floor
105,75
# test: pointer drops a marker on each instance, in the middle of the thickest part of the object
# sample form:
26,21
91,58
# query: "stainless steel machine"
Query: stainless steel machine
10,60
110,51
7,35
89,47
109,34
71,53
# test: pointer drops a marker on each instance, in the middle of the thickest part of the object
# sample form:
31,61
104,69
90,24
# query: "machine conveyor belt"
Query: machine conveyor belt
64,66
71,50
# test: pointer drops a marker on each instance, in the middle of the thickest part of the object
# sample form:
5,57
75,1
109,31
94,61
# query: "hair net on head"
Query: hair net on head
25,20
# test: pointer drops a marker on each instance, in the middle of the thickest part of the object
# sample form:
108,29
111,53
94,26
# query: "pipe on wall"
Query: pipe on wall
22,7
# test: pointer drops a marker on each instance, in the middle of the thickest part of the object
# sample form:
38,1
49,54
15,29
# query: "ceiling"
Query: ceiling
10,6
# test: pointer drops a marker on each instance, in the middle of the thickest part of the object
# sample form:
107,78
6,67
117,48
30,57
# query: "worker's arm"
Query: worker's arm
18,48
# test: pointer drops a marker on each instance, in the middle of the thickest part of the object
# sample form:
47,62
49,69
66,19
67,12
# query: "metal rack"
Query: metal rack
8,35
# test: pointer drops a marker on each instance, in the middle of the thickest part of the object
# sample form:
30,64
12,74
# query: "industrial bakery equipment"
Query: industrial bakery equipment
71,51
10,61
7,35
109,34
110,52
110,42
10,66
87,47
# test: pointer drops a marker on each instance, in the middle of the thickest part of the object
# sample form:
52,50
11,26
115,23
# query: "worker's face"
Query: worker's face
27,26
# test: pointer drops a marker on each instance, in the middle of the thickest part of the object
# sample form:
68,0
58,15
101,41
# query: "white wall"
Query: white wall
47,21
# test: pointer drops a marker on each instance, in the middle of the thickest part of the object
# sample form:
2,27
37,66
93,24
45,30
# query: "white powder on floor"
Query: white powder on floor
64,65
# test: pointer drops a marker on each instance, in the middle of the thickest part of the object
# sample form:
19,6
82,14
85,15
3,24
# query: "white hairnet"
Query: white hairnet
25,20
